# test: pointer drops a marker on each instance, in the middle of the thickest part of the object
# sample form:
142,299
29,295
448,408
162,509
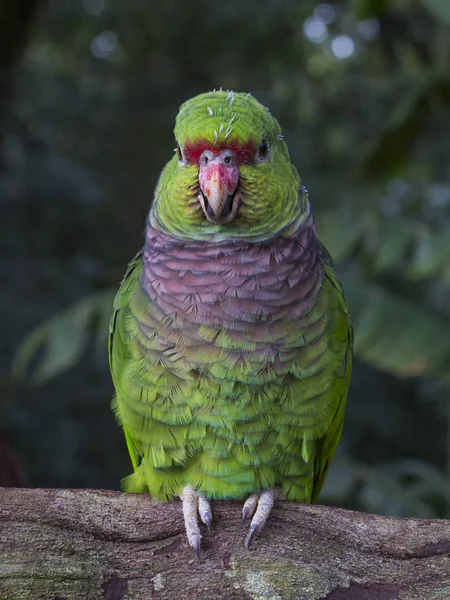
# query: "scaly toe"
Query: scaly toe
196,544
249,506
190,507
263,510
204,510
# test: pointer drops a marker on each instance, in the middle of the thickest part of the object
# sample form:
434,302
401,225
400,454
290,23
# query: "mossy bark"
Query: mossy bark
92,545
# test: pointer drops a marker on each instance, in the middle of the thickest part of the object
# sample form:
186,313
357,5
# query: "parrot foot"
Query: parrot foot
260,506
192,504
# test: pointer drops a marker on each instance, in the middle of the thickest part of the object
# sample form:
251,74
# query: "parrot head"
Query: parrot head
230,176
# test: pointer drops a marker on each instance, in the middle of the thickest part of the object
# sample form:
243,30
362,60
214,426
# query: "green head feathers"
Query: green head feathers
220,117
230,176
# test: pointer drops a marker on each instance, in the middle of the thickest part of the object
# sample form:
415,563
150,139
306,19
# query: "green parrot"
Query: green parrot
230,341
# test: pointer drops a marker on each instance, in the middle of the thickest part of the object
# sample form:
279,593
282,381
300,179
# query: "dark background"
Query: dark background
88,94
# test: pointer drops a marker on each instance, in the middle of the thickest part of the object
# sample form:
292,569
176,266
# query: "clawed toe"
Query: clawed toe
204,510
251,532
250,506
260,506
257,507
195,505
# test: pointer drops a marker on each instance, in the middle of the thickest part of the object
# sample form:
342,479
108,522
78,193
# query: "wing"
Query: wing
118,340
342,335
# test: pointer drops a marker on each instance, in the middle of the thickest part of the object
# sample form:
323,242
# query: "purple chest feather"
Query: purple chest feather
232,284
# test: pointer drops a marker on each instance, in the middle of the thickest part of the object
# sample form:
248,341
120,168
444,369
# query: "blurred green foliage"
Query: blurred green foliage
362,91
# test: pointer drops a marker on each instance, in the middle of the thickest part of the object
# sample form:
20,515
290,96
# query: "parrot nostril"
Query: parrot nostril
206,157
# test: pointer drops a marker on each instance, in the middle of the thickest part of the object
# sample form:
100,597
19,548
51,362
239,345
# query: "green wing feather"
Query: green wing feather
326,447
118,340
144,405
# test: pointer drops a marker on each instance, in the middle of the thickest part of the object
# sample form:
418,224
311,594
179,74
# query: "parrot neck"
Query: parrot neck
176,221
231,283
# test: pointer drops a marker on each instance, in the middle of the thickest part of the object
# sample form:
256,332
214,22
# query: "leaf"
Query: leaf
63,338
340,232
386,240
396,335
391,242
394,238
440,9
406,488
430,257
366,9
383,155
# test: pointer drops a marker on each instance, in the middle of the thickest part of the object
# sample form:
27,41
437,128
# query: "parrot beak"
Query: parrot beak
217,196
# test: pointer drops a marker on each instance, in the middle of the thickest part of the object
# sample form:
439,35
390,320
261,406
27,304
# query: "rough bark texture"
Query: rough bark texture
89,545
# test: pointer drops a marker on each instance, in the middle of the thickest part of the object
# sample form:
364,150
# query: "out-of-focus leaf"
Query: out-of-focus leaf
391,242
431,255
341,480
365,9
387,240
407,487
394,237
385,153
62,339
339,232
410,488
440,9
396,335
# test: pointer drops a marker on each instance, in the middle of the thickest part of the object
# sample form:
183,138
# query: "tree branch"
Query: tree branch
92,545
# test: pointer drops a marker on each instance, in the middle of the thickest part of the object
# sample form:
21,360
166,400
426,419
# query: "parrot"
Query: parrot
230,342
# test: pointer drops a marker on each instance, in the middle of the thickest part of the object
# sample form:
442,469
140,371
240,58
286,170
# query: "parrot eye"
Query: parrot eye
263,150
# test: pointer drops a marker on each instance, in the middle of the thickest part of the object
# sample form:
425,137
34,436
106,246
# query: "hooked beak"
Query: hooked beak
218,184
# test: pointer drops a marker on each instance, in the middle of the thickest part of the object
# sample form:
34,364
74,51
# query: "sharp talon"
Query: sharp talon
197,549
263,505
253,529
249,506
204,510
246,513
207,521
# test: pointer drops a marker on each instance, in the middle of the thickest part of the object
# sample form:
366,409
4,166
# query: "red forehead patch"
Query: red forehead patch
244,153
